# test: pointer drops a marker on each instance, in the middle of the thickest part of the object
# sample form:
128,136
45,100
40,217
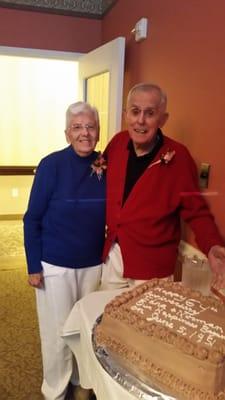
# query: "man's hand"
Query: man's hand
36,280
216,258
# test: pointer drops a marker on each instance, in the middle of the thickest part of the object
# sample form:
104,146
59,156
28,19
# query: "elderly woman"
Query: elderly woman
64,228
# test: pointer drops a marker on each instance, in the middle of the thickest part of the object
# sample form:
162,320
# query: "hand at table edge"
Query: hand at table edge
216,257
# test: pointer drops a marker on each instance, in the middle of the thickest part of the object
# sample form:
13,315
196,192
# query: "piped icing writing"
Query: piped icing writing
187,317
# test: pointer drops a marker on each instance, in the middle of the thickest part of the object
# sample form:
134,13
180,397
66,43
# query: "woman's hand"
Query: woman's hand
36,280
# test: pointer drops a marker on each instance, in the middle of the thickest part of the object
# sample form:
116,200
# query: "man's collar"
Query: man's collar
158,141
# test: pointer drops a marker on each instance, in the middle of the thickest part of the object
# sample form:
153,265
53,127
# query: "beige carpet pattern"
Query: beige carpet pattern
11,233
20,358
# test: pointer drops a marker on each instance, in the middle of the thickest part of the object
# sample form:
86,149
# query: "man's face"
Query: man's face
144,115
83,134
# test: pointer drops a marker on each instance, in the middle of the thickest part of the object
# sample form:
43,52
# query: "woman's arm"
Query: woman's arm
40,195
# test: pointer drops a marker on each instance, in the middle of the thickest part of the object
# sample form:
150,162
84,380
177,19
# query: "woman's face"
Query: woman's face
83,133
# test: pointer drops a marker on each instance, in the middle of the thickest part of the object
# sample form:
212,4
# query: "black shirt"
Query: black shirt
137,165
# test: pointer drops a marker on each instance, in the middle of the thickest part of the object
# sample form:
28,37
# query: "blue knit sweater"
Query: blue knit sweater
64,224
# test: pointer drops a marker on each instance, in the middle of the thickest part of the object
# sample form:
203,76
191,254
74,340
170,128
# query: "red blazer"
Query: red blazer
147,227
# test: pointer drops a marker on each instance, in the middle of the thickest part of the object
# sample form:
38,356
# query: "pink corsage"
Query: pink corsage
164,158
99,166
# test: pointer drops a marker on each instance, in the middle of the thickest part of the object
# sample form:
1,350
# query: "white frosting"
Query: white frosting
183,315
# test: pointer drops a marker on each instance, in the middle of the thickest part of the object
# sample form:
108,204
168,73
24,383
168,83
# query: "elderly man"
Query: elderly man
152,184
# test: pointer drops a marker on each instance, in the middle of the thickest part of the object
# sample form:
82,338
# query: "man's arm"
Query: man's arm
216,258
195,211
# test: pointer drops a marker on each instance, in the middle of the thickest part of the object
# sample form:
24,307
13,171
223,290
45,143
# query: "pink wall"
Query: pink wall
184,53
48,31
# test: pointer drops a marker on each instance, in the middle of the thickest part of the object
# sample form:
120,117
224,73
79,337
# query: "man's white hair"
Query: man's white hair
148,87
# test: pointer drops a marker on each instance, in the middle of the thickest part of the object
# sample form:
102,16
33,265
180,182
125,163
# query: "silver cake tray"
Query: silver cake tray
125,378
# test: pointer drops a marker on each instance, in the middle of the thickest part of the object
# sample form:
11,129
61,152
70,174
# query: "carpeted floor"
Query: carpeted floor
20,358
20,354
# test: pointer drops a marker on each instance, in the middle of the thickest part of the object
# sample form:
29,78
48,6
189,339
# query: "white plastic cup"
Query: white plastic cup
196,274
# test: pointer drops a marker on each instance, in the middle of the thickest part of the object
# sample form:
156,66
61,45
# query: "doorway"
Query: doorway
35,93
36,129
36,88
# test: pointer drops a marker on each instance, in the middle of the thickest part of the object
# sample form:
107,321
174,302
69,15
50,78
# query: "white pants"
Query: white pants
112,272
62,288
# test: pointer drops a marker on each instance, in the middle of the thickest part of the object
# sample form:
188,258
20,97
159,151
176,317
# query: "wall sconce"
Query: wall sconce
140,29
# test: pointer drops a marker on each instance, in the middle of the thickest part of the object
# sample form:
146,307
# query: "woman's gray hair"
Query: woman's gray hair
81,107
148,87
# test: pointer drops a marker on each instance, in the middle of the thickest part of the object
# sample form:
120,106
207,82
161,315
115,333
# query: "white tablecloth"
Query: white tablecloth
77,334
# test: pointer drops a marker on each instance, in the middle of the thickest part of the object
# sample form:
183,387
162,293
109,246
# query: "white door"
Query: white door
108,58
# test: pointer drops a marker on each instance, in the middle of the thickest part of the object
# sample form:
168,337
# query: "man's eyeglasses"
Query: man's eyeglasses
78,128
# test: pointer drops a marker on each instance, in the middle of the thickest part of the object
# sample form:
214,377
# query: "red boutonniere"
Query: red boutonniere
99,166
164,158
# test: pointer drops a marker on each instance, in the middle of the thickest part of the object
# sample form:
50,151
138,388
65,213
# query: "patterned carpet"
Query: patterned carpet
20,359
11,238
